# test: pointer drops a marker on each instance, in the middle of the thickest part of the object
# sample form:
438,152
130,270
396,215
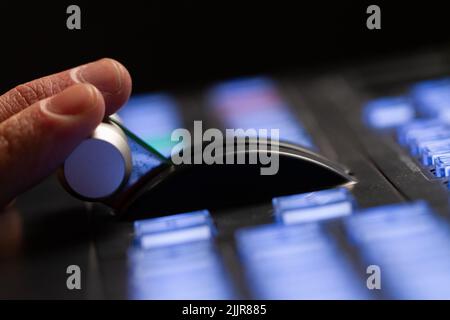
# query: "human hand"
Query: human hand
42,121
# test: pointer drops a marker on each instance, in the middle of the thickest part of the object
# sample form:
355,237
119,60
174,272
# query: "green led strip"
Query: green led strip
140,141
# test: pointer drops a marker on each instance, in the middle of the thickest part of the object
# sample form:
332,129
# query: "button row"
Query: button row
428,99
422,120
175,257
407,242
429,141
296,257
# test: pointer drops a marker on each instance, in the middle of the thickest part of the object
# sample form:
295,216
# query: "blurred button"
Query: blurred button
384,221
410,131
432,98
313,206
429,137
189,271
296,262
388,112
172,230
176,258
409,243
255,103
433,151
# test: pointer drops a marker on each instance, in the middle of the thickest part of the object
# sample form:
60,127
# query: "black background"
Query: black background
171,43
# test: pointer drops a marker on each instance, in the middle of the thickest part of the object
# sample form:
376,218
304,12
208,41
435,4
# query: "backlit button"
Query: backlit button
417,128
378,223
188,271
313,206
433,98
433,151
409,243
429,138
175,257
388,112
255,103
296,262
423,146
175,229
421,139
442,165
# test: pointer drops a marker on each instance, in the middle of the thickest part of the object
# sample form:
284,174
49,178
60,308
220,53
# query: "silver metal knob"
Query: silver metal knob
100,165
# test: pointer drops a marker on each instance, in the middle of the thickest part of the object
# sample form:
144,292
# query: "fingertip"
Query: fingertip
115,101
126,88
110,77
95,104
80,100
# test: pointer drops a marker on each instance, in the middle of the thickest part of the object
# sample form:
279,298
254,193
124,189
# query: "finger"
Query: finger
36,140
108,75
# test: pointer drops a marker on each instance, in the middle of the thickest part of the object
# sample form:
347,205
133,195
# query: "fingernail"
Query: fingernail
105,75
72,101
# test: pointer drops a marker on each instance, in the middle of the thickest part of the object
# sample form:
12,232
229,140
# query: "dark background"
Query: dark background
182,43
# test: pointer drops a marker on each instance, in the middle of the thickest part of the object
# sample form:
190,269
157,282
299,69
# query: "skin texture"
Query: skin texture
42,121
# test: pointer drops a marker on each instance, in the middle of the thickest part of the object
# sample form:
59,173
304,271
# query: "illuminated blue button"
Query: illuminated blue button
388,112
260,118
380,222
240,87
429,137
431,152
172,230
418,139
433,98
416,128
313,206
191,270
442,165
423,146
175,258
296,262
409,242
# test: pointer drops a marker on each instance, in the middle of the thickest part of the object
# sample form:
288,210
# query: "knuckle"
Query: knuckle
31,92
24,95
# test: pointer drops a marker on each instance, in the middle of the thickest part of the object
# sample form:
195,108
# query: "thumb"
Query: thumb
35,141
